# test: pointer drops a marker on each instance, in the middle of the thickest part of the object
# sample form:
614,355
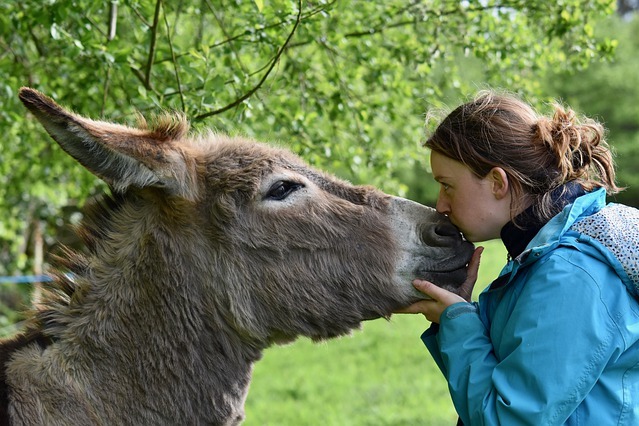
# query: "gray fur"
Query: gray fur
192,270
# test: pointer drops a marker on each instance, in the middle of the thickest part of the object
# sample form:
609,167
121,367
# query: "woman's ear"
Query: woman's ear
500,184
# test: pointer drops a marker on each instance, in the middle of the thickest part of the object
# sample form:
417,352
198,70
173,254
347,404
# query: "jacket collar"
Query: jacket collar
545,238
517,237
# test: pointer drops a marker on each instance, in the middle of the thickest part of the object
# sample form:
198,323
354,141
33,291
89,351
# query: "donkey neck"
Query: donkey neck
146,317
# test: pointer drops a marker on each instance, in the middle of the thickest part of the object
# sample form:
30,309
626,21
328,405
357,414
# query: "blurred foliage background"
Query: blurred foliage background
345,84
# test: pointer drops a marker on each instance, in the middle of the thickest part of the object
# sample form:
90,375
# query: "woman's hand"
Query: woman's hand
440,299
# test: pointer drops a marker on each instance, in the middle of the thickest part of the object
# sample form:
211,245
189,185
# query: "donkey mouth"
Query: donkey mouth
450,277
447,279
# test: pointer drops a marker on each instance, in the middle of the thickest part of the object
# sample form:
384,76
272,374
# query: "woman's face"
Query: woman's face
479,207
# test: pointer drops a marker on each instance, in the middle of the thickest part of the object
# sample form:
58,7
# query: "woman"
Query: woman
555,338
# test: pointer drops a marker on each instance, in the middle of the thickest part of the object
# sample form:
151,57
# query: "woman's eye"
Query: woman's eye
282,189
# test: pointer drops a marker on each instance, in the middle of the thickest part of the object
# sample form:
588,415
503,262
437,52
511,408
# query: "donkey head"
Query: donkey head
259,240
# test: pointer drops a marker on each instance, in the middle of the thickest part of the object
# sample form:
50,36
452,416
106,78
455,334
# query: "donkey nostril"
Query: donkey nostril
446,230
442,234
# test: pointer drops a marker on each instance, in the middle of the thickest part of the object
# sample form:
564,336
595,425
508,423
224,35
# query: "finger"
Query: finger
466,289
431,309
473,265
430,289
420,307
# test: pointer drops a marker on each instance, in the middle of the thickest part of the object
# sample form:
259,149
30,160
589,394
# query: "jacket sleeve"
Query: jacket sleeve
538,365
429,337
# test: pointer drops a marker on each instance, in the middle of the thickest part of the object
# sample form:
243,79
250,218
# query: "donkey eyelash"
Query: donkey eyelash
282,189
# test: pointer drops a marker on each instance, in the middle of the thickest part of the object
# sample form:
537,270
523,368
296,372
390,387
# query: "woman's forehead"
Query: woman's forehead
446,167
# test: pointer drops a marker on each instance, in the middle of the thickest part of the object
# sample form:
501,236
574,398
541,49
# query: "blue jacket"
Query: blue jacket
555,339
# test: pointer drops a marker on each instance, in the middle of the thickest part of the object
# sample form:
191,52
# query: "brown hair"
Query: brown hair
538,153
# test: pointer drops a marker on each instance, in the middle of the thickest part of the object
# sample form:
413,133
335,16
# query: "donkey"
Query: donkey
207,250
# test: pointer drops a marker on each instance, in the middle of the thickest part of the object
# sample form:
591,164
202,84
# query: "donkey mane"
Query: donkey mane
49,315
169,125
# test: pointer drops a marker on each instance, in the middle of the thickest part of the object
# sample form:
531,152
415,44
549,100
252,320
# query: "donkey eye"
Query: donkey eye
282,189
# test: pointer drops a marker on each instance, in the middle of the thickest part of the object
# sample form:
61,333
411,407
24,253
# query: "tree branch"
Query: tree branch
154,34
223,29
380,28
274,62
140,16
262,28
136,72
113,20
175,64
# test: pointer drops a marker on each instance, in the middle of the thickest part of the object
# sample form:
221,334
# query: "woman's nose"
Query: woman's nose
442,206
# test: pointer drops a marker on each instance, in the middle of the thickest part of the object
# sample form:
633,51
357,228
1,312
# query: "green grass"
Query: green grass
381,375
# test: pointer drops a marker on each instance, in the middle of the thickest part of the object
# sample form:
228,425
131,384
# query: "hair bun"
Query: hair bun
563,120
571,142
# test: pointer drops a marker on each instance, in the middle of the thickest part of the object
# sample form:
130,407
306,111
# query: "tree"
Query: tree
608,91
343,83
627,7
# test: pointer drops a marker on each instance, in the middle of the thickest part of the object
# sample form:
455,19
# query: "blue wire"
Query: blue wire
26,279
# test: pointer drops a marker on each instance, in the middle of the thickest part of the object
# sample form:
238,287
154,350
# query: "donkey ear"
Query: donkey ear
122,156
